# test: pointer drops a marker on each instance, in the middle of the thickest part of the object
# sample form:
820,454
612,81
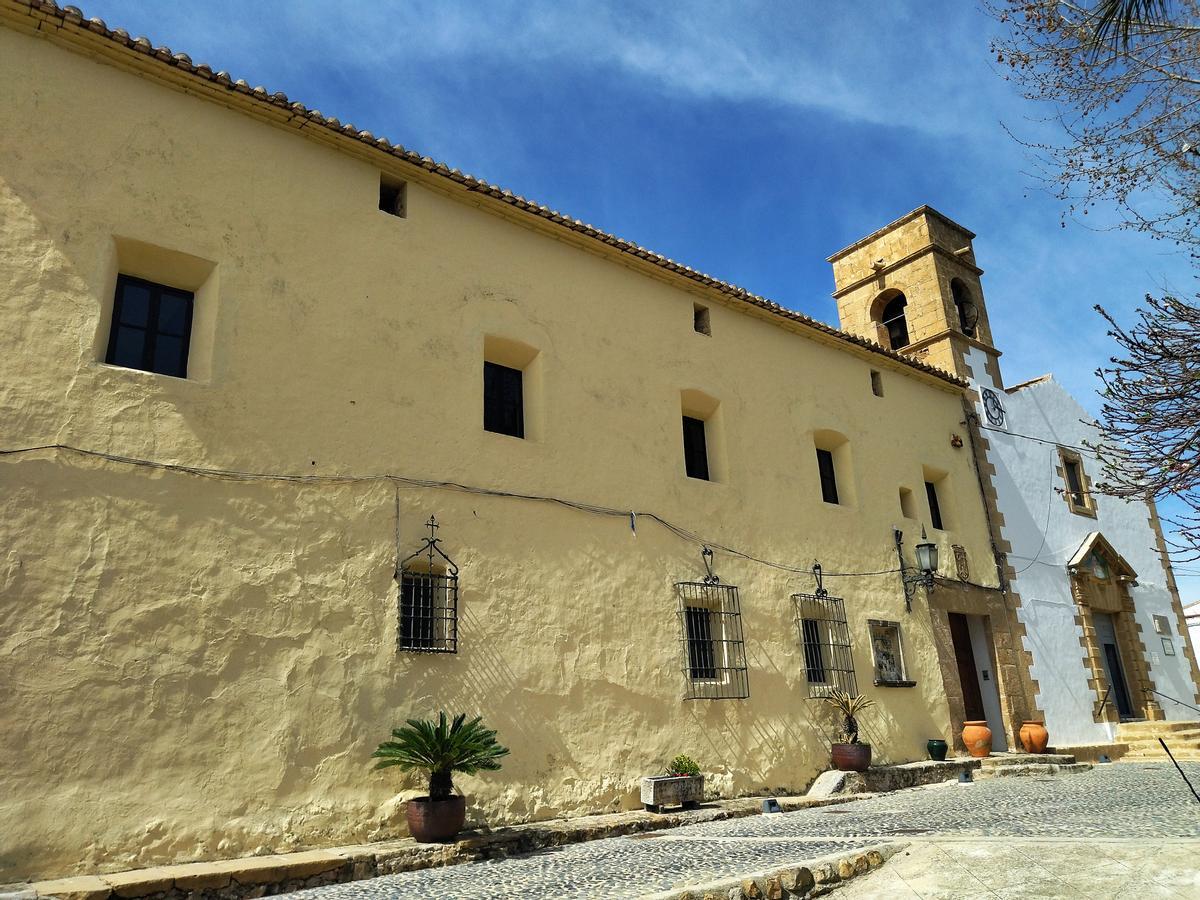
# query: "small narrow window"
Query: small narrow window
828,474
503,402
907,508
886,650
393,196
1074,482
876,383
814,654
935,509
695,448
151,327
701,650
825,638
700,319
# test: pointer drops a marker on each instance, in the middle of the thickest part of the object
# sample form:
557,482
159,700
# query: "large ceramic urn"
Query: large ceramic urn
1034,737
978,738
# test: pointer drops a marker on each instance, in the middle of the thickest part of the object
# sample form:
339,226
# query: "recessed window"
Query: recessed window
151,327
886,652
695,448
828,473
1162,625
825,640
503,400
714,655
935,506
700,320
393,196
908,507
876,383
1079,499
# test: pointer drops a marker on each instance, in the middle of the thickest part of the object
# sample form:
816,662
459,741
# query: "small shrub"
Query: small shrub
683,765
440,750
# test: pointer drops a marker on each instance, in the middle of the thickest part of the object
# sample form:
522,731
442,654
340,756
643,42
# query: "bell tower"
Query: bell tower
913,287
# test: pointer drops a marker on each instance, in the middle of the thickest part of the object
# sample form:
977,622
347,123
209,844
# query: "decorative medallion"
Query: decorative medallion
960,562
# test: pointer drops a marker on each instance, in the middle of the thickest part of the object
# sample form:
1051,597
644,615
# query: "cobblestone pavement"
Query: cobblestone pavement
1117,802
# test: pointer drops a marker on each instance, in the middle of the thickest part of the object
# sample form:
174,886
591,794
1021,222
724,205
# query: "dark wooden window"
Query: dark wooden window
503,403
935,509
151,327
1074,482
695,450
702,658
825,466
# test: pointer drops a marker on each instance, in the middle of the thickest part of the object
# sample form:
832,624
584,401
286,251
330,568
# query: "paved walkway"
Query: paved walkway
1132,811
1052,869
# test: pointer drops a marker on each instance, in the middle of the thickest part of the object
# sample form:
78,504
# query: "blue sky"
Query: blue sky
748,140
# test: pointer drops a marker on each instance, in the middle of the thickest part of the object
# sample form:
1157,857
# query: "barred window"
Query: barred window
714,654
428,611
428,602
825,638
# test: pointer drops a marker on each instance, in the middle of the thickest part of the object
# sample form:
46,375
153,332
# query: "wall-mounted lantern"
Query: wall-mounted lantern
927,566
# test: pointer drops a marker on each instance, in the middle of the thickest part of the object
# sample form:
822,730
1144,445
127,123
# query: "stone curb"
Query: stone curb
811,878
257,876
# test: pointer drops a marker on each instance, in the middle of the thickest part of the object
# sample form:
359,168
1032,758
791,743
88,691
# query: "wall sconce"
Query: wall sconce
927,565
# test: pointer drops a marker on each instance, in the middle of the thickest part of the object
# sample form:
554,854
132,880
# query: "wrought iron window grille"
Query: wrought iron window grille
428,599
710,627
825,638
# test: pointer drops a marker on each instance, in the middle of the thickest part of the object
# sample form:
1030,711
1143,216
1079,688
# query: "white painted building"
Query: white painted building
1192,615
1102,615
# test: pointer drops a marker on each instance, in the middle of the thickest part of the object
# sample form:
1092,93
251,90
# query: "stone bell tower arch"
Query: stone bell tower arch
913,286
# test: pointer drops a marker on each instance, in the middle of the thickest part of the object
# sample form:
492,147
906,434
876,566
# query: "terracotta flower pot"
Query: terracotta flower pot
1034,737
978,738
435,821
937,749
852,757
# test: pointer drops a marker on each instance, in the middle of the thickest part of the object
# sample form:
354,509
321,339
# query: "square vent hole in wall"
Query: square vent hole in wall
700,319
393,196
876,383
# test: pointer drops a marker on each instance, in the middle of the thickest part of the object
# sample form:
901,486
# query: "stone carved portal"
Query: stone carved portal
1114,654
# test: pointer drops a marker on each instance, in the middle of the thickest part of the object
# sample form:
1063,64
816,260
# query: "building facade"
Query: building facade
306,434
249,353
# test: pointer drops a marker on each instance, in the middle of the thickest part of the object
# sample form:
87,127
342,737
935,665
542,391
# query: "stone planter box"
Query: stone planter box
672,790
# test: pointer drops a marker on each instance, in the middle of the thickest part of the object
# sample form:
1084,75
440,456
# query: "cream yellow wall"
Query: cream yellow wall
196,668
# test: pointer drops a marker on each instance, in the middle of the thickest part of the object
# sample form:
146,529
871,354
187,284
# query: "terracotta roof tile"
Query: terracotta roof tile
72,15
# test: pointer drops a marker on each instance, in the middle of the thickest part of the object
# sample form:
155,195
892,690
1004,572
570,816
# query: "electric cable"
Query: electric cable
398,480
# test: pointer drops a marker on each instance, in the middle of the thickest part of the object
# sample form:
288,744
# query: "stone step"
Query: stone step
1000,760
1138,729
1191,755
1029,769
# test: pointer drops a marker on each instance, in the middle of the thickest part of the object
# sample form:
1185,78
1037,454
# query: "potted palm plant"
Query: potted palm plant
849,755
441,750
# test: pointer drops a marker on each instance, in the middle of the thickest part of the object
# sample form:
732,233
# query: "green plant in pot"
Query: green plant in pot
440,749
849,754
